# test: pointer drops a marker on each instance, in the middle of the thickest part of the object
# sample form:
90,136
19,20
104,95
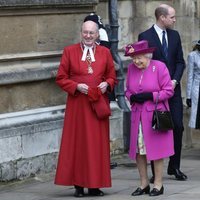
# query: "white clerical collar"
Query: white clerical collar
85,51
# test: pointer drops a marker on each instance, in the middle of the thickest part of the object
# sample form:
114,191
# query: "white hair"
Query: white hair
148,55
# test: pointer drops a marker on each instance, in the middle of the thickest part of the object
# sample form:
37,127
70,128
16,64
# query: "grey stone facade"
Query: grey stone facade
29,141
44,3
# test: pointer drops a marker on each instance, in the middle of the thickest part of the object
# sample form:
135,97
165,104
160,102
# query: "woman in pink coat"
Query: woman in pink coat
147,79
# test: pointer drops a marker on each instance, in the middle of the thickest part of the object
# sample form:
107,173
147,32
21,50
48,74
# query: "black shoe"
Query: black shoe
151,180
95,192
79,191
156,192
140,191
177,173
113,165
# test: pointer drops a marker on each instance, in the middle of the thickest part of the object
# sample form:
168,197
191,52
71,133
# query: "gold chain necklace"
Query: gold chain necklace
89,60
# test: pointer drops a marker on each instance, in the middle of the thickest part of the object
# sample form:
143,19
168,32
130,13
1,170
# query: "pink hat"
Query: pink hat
136,48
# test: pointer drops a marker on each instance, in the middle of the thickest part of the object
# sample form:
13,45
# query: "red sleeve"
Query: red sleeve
62,77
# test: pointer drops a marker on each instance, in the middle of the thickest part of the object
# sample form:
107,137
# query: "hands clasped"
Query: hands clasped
83,88
141,97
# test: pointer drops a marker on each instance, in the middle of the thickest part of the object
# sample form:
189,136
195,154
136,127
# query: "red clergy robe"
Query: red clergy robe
84,157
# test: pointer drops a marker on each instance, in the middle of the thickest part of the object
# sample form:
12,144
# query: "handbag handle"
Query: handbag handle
157,102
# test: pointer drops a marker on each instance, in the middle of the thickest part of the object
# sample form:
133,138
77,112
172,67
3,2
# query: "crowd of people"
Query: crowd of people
87,74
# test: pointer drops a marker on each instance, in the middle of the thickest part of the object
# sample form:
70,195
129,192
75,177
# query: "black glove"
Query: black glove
141,97
188,102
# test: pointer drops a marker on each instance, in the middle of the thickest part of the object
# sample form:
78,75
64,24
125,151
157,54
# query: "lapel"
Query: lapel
170,39
158,42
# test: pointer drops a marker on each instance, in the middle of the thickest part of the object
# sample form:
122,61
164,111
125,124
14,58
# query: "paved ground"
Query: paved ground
124,178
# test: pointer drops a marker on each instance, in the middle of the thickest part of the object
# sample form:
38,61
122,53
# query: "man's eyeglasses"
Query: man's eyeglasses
89,32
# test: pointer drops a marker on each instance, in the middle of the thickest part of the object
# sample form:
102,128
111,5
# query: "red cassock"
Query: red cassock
84,157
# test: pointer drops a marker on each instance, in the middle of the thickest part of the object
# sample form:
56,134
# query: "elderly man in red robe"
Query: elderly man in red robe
87,74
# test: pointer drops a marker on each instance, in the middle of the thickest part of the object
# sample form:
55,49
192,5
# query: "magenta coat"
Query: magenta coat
156,79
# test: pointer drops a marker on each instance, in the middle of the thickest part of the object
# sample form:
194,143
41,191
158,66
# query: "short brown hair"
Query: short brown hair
161,10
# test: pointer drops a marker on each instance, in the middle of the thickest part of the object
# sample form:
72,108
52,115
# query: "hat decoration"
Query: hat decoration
140,47
130,49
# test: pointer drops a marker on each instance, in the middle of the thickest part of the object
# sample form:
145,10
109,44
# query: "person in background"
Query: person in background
146,143
87,74
169,50
193,85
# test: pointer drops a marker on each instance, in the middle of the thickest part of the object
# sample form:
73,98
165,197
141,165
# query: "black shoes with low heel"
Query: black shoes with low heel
140,191
146,190
156,192
79,191
95,192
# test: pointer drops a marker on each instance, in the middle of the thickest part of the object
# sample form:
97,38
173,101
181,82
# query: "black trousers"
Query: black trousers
176,107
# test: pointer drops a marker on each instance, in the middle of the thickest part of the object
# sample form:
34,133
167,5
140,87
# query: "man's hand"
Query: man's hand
103,86
83,88
174,83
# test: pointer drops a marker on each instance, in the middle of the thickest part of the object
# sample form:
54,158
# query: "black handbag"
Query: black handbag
162,120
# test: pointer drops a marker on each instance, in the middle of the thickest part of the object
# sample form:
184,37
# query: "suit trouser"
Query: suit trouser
176,108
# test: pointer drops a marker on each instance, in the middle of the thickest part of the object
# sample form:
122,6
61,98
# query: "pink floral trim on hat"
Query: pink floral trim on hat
140,47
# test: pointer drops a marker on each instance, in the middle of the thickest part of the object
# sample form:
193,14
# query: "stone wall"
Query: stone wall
30,140
33,35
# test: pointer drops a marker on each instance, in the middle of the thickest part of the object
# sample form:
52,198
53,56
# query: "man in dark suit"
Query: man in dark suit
169,50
